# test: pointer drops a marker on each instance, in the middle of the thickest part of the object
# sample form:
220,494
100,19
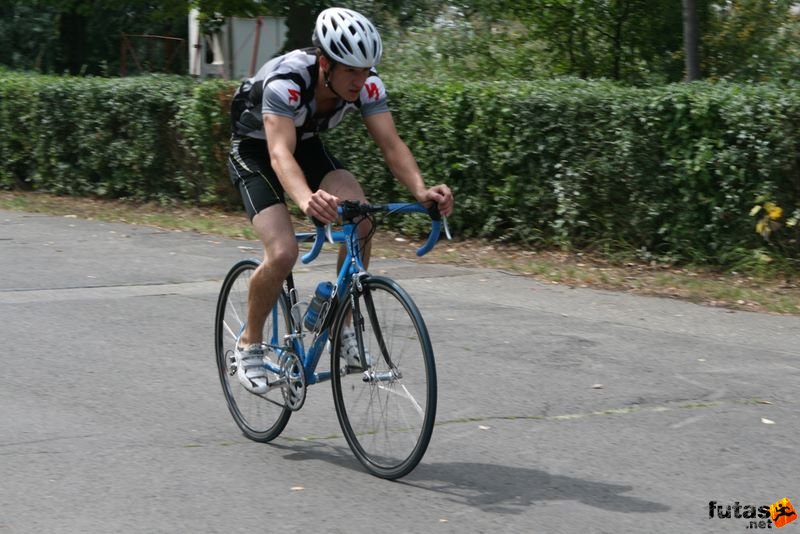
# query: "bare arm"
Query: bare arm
281,141
402,163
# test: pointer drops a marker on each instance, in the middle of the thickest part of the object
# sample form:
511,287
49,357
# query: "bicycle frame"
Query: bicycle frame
352,265
383,379
352,268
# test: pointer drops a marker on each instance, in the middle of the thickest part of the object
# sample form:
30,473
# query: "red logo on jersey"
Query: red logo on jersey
372,91
294,95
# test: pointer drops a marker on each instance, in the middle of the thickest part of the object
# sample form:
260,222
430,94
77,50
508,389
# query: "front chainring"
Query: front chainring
294,390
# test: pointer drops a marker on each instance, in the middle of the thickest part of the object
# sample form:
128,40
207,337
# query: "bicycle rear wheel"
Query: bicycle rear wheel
260,417
386,411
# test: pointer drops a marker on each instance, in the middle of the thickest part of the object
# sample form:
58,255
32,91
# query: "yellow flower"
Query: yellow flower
762,228
773,212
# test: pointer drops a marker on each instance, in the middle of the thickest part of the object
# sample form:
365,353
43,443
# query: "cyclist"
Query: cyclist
289,101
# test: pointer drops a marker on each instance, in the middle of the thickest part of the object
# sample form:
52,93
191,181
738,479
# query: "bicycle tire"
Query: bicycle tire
388,423
260,417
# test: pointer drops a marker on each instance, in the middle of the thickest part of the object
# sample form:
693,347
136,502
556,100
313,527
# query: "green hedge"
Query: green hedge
668,172
671,172
83,136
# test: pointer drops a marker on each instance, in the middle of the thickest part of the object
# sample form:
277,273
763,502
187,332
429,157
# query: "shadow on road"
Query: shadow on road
510,490
491,488
325,452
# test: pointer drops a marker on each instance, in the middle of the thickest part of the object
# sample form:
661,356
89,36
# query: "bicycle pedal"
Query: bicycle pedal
232,366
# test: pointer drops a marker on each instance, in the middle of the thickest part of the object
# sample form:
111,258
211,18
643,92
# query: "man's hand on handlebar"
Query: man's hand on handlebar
322,206
442,196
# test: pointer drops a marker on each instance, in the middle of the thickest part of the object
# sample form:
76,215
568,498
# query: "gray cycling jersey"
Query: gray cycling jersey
285,86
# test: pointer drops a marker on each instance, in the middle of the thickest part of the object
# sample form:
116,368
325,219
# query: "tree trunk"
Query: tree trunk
72,33
300,26
691,47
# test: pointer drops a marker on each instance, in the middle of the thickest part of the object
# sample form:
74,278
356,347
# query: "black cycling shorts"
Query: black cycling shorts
250,170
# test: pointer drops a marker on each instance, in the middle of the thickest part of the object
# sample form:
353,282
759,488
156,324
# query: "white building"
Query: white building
238,50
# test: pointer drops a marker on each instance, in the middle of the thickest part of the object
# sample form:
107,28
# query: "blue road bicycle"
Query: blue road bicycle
387,406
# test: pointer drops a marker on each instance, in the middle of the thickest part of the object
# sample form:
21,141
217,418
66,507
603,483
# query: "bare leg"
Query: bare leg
345,186
274,228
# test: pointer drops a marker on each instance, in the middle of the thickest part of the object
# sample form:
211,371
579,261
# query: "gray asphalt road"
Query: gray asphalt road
560,410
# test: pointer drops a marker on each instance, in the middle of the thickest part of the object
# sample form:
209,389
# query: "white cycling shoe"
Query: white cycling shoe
250,369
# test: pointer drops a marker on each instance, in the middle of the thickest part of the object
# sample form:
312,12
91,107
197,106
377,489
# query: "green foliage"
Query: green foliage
462,49
752,40
619,39
27,36
635,42
84,36
671,173
202,125
625,40
223,7
88,136
781,232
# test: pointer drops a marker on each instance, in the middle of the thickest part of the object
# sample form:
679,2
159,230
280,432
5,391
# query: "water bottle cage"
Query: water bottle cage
319,324
321,320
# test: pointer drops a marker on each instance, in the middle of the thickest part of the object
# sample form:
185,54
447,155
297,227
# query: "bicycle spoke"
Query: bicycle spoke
259,420
388,420
387,408
406,395
229,330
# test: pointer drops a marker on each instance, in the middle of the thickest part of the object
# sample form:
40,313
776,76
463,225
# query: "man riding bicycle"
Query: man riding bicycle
289,101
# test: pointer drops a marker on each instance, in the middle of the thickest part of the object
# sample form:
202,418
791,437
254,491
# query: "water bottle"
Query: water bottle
318,307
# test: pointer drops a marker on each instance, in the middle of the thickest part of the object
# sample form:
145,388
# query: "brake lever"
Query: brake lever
328,233
446,229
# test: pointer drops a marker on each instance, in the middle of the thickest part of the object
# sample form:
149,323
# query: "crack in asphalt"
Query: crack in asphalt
658,408
32,295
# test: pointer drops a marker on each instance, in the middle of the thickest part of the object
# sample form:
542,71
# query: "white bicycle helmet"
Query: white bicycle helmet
348,37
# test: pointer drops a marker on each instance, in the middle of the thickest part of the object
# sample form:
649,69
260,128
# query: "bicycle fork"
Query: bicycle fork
359,324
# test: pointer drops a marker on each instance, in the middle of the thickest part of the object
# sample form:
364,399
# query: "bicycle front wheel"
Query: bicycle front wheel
387,409
260,417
